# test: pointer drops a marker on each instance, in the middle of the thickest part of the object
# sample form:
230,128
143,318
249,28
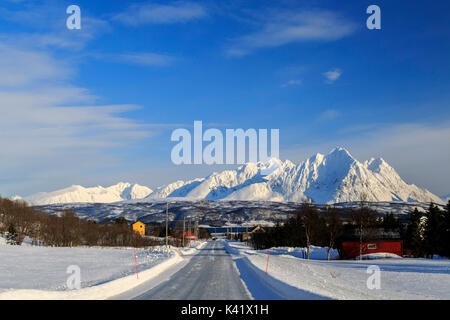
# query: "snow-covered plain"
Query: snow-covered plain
291,277
32,272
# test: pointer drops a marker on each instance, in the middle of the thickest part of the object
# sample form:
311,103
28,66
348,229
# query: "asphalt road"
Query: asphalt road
209,275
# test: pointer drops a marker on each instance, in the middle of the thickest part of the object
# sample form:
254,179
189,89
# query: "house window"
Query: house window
371,246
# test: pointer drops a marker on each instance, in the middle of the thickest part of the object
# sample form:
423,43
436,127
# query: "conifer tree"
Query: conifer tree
433,236
446,231
12,237
414,234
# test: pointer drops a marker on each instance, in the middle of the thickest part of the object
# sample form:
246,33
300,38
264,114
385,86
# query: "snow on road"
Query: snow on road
31,272
342,279
209,275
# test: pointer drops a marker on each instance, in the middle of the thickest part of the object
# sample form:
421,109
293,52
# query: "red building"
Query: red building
188,236
374,241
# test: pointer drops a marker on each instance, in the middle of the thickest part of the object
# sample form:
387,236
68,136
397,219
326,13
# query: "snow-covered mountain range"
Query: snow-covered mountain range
335,177
78,194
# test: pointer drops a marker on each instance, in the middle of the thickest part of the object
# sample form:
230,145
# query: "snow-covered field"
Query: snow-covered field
31,272
400,278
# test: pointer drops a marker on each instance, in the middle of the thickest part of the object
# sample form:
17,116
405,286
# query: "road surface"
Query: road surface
209,275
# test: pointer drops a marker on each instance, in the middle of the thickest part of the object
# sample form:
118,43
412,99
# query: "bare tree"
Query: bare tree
334,226
363,217
311,222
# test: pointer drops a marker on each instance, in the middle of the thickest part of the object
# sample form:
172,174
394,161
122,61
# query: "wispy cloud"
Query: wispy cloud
332,75
47,18
282,28
143,59
152,13
146,59
51,127
329,114
22,67
291,83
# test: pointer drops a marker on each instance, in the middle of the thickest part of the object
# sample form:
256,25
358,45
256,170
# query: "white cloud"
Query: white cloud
291,83
152,13
147,59
282,28
21,67
329,114
332,75
50,19
52,130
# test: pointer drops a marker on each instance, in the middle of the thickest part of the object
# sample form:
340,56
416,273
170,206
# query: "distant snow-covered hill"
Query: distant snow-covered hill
78,194
332,178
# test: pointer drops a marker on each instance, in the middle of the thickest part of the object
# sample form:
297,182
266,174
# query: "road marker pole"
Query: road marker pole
267,266
167,224
135,260
246,239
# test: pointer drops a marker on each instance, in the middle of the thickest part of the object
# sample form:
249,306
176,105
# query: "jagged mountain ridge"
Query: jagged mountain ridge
332,178
335,177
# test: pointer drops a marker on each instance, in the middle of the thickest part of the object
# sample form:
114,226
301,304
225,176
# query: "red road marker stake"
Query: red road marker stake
268,255
135,260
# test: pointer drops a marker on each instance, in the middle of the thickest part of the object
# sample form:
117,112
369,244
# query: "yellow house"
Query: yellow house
139,228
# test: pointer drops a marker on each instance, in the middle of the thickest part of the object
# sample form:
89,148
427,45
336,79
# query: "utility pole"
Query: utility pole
246,238
184,226
196,229
167,224
360,241
189,231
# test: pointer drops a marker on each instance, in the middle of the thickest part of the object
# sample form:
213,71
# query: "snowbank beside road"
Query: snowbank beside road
343,279
40,272
315,253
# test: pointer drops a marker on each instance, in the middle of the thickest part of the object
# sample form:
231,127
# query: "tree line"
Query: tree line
423,234
63,229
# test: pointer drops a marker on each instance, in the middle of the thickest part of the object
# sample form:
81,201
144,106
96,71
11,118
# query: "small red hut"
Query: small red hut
188,236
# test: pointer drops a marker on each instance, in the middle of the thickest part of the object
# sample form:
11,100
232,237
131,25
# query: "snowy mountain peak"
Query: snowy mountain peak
340,150
334,177
79,194
270,167
377,165
340,155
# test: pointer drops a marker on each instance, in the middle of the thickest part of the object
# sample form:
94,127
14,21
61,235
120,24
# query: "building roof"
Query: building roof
257,228
351,233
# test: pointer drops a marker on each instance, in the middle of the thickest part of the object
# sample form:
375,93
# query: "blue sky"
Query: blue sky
98,105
